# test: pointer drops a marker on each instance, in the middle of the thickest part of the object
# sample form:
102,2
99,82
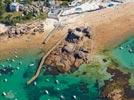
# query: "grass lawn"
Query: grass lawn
12,14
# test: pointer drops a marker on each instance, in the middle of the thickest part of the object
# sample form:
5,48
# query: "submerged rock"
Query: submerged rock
115,89
6,70
10,95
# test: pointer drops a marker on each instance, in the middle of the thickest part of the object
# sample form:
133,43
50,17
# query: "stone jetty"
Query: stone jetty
69,53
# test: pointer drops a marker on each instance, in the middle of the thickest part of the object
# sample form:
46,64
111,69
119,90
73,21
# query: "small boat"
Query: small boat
17,68
46,91
47,80
121,48
58,89
130,50
56,81
20,63
35,83
3,65
31,65
74,97
5,80
13,60
4,93
62,97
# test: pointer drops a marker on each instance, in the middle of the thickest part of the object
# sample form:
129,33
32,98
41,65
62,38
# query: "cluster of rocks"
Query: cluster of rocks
118,87
35,8
6,70
71,53
19,30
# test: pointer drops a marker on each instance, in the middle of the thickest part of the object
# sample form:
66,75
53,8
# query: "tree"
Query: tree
7,1
29,1
46,3
7,4
1,7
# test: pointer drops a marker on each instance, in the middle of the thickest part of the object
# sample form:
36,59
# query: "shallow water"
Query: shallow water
84,84
47,87
124,54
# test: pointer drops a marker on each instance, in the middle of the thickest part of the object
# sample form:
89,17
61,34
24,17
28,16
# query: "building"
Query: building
14,6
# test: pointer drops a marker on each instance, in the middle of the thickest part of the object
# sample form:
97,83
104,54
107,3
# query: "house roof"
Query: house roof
14,4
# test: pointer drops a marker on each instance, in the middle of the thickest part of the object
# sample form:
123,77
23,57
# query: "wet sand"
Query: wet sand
110,26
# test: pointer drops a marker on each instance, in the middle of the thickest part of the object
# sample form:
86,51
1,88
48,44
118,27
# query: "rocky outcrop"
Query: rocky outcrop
117,87
71,53
6,70
35,8
3,28
19,30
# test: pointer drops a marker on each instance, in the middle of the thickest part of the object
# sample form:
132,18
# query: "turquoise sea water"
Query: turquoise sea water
84,84
124,54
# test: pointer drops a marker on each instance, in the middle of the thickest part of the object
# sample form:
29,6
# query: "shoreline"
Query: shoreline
107,25
110,27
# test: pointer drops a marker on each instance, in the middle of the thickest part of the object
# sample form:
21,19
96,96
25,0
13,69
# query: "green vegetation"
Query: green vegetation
11,18
131,81
1,8
16,17
7,1
114,85
93,72
65,2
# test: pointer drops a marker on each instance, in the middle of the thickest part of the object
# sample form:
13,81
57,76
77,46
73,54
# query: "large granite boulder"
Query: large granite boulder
17,31
78,62
69,48
79,54
64,66
87,32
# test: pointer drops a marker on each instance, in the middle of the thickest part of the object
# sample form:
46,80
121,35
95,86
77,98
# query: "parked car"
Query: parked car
78,10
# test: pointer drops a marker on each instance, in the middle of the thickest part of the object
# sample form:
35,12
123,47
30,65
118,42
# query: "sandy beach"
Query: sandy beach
110,26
